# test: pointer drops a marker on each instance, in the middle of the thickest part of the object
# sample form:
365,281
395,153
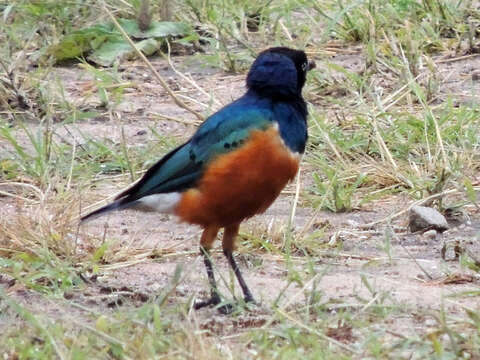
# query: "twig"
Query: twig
319,334
41,195
101,334
188,78
162,82
330,143
20,97
181,121
418,202
415,260
285,30
5,193
297,194
443,61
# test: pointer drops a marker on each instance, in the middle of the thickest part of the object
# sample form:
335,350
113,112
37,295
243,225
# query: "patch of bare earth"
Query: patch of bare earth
413,274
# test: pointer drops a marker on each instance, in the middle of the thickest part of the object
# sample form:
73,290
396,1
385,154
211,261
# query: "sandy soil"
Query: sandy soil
357,252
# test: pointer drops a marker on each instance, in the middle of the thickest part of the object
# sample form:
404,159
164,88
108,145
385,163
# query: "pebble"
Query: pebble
422,217
430,234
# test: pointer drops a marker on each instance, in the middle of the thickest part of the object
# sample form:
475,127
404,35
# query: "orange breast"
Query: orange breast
241,183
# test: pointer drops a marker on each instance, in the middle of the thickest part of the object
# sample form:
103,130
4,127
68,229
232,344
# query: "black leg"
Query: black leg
214,297
246,292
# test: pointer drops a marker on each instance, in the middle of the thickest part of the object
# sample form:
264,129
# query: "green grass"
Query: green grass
381,130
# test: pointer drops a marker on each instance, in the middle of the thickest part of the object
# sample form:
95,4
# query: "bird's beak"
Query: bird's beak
311,65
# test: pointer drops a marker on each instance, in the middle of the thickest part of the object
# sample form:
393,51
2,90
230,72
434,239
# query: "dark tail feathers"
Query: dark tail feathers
116,205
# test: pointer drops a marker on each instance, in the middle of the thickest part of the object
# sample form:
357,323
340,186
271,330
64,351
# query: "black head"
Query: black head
279,72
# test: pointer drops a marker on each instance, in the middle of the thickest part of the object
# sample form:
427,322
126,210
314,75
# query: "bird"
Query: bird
235,165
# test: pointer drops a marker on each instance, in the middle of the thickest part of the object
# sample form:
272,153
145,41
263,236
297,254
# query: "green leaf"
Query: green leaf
108,45
82,41
114,50
98,254
471,193
157,29
110,51
157,322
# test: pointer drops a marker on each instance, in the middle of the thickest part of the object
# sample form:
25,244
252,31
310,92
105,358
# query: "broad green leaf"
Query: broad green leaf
82,41
157,29
470,191
98,254
105,44
106,54
118,50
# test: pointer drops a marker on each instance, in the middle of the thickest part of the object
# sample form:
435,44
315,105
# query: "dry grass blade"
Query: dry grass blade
382,144
319,334
418,202
391,119
189,78
29,317
36,190
160,79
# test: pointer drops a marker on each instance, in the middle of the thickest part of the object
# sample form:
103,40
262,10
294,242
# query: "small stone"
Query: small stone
430,234
476,75
422,217
352,223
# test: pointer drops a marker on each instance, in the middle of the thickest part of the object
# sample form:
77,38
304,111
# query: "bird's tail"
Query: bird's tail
116,205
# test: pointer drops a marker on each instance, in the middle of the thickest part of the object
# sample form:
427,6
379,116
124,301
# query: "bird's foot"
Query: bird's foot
224,309
214,300
249,299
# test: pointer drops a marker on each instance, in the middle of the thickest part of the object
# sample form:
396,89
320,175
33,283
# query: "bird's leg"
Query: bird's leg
228,244
208,237
214,297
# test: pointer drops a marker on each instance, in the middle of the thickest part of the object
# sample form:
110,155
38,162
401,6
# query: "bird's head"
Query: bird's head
279,72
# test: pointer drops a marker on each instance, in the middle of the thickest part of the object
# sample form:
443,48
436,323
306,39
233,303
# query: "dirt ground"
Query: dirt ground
416,275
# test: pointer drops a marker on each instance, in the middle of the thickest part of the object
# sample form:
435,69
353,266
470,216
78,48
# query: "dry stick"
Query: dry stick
416,262
319,334
442,61
5,193
99,333
366,306
411,256
187,78
394,94
295,200
435,122
181,121
418,202
291,300
70,171
382,143
19,96
41,195
330,143
285,30
164,84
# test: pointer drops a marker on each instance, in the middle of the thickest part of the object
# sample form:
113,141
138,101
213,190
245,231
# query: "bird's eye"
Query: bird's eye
305,66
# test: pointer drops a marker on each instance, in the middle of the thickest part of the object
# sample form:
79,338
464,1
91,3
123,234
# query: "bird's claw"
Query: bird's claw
224,309
214,300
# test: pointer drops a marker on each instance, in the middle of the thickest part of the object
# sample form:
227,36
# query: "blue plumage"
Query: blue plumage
235,165
274,95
